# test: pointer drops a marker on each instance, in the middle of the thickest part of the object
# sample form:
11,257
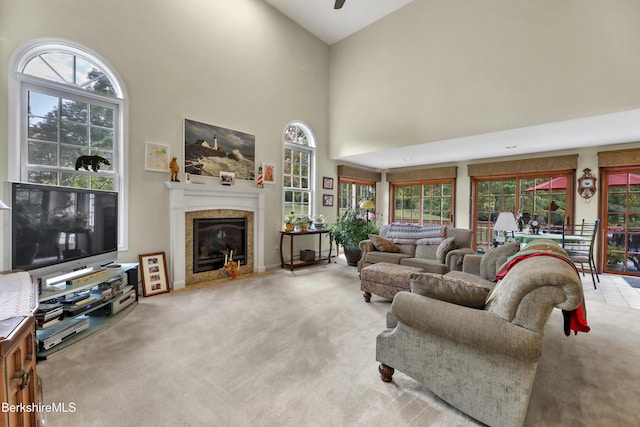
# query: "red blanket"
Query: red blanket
574,320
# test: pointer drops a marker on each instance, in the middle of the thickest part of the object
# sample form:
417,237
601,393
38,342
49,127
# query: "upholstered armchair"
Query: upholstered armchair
477,348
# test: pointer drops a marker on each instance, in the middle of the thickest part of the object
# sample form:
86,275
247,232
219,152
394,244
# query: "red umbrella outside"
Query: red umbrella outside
560,183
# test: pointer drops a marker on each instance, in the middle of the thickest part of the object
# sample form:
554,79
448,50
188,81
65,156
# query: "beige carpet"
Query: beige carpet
298,349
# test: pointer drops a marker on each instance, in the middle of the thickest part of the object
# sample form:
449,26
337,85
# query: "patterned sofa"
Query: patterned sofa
435,249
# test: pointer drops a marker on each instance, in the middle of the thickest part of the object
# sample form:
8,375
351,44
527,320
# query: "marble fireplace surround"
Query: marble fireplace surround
185,198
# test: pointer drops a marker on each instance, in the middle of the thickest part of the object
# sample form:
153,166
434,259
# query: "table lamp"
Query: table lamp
506,222
368,205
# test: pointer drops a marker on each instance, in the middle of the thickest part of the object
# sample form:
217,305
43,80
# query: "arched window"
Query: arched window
298,169
66,102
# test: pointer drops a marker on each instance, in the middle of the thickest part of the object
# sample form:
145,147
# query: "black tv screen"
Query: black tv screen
62,229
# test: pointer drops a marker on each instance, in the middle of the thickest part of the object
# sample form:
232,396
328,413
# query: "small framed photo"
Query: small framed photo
227,178
154,274
156,157
327,183
327,200
268,173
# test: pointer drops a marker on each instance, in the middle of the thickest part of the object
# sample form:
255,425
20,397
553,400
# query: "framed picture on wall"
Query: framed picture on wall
210,149
327,200
327,183
156,157
269,173
154,274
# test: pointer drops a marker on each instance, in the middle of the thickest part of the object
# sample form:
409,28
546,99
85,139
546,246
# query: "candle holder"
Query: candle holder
230,269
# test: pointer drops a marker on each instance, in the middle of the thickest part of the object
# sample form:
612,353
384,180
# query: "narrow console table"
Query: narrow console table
298,262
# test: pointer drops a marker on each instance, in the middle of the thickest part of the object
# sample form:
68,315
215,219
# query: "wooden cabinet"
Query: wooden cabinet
20,392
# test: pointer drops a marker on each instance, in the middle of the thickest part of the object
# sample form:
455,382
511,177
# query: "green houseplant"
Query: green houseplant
289,222
319,222
349,230
302,223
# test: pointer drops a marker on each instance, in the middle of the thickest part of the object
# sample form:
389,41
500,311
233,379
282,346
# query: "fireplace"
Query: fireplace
217,239
190,201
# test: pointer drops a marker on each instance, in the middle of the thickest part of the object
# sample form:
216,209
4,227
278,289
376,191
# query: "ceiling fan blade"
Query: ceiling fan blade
339,4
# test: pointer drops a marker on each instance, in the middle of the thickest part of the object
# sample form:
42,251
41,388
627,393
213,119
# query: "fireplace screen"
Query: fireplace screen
217,238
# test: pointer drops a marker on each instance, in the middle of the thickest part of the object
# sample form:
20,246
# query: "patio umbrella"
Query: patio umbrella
560,183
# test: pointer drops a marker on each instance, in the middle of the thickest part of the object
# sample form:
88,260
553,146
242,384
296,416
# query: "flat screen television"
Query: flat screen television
59,230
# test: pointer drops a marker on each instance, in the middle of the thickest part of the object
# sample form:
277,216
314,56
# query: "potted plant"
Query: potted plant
301,223
319,222
288,222
349,230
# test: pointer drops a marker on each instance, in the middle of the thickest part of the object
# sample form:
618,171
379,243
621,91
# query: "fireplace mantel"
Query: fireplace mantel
199,197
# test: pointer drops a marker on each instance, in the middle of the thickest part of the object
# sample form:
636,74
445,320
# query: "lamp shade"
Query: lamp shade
506,222
3,206
367,204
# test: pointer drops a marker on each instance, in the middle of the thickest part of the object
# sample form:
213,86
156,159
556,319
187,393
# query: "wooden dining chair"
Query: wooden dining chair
582,250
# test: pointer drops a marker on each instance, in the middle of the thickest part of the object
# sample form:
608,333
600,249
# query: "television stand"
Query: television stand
75,309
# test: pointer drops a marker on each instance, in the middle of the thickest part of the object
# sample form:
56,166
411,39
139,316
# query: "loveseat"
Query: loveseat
478,348
435,249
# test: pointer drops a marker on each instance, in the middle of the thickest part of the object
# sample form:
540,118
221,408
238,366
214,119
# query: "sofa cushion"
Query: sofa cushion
382,244
449,289
390,257
444,247
493,259
428,265
426,252
470,277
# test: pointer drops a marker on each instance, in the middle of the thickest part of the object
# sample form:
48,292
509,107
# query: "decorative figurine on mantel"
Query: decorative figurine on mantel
173,165
260,184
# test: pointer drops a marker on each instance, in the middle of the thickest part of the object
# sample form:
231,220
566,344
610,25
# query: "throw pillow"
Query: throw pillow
492,260
382,244
449,289
444,247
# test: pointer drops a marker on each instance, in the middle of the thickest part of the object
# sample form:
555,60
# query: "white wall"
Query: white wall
238,64
437,69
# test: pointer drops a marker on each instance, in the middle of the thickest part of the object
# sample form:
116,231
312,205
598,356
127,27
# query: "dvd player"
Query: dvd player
51,337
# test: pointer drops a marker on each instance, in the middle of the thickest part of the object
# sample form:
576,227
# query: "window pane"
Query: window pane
71,133
74,111
103,183
101,116
102,85
42,153
70,69
43,129
37,67
74,180
101,138
50,178
43,105
69,155
106,155
62,63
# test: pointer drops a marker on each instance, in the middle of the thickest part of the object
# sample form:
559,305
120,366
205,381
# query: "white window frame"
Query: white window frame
311,150
19,83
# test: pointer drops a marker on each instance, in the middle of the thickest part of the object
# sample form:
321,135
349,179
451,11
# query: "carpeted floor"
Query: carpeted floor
298,349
